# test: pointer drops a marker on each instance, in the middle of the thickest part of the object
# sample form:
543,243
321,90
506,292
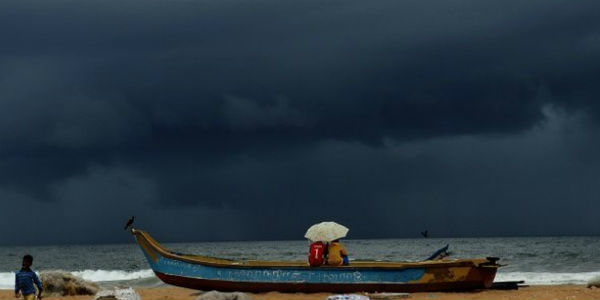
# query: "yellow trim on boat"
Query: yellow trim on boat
147,248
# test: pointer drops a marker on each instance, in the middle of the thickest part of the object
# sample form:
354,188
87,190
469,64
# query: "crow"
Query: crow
129,223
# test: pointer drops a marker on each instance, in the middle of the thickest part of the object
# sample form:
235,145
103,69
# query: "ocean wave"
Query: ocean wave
547,278
112,275
7,279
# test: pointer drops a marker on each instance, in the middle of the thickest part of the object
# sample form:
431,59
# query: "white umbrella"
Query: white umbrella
326,232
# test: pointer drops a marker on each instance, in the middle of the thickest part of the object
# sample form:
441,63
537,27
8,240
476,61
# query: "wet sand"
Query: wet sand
554,292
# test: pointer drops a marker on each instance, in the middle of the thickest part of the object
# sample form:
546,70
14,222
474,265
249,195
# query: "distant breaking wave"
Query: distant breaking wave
7,279
113,275
547,278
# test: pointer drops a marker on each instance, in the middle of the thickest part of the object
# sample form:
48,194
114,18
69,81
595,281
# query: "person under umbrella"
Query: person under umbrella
316,254
326,232
337,254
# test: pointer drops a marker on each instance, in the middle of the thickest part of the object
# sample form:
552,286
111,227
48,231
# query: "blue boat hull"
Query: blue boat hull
204,273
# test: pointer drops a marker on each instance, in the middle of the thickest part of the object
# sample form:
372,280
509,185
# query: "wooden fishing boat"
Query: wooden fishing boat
209,273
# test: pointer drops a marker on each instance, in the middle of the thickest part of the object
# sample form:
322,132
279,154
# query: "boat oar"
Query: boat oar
440,252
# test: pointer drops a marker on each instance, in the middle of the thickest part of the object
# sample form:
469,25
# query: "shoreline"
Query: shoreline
536,292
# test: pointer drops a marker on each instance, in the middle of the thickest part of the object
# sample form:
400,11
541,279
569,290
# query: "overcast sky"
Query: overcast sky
250,120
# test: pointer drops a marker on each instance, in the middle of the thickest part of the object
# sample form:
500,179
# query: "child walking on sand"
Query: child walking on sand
25,279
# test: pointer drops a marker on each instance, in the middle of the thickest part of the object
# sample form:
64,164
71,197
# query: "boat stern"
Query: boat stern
486,271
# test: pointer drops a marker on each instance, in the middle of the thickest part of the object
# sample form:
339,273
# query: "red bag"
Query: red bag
315,256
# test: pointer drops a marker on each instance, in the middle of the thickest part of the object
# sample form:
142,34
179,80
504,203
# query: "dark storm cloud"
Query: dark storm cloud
238,107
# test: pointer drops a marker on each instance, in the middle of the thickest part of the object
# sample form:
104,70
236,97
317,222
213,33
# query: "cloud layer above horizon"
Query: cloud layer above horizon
251,120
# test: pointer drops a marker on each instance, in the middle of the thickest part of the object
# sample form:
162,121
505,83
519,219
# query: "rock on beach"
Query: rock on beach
66,284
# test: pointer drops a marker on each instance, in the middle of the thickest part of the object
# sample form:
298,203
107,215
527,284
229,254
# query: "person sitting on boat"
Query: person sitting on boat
337,255
316,254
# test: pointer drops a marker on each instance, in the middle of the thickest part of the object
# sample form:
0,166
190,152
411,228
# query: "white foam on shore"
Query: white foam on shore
112,275
546,278
7,279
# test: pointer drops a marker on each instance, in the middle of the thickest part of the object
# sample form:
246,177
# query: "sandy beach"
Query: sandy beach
555,292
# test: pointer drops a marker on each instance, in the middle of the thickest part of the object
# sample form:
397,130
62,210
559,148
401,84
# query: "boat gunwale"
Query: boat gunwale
363,265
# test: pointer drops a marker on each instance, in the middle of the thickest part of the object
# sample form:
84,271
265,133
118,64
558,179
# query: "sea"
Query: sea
537,260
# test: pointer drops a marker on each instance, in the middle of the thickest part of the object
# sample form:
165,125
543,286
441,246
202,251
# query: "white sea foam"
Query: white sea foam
112,275
7,279
546,278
